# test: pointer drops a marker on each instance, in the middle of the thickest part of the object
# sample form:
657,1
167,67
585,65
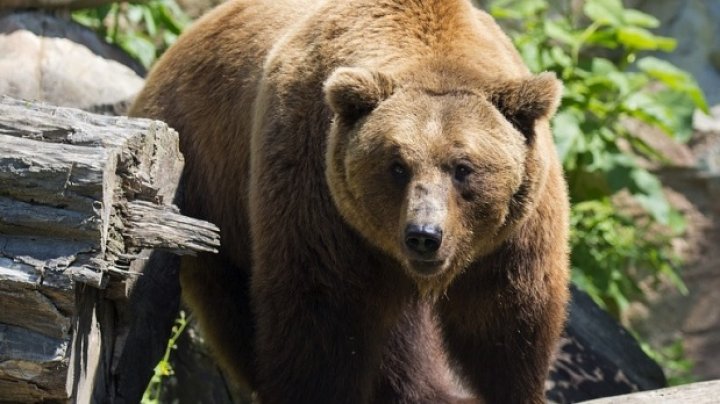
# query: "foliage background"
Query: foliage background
144,29
622,224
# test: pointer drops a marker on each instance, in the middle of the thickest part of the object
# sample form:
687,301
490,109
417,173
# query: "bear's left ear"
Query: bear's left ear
525,101
353,92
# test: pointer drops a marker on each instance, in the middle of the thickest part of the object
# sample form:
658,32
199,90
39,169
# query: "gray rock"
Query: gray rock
597,357
708,123
46,58
707,150
695,25
48,4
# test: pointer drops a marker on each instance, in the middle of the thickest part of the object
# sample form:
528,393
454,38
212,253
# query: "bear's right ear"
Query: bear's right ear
525,101
353,92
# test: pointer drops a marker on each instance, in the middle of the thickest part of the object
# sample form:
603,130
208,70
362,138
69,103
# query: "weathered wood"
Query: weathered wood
695,393
83,200
163,227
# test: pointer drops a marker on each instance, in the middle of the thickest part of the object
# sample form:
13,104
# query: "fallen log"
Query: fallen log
86,201
694,393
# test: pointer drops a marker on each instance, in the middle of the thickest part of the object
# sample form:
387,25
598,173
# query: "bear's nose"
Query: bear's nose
423,239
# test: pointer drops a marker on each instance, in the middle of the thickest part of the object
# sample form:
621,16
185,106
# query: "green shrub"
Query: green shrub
597,56
143,29
164,368
596,53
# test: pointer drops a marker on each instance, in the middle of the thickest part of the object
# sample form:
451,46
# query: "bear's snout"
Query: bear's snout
425,220
423,239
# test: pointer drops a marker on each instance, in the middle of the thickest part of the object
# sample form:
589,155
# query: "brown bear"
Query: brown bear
392,209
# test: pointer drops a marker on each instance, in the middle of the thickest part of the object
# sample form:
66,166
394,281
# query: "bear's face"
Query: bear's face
429,177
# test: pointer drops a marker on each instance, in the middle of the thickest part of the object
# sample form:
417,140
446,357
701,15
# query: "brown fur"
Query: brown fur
292,115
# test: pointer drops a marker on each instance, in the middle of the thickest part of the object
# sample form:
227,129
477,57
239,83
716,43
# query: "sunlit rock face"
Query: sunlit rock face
46,58
694,24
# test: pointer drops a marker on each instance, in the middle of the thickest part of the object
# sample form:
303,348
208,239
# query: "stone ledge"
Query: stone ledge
695,393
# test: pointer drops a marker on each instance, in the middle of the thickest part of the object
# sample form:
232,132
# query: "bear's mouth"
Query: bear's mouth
427,267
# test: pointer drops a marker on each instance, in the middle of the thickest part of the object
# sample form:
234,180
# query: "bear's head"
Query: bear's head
435,173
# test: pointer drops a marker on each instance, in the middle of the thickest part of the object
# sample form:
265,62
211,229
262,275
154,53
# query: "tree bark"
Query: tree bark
85,294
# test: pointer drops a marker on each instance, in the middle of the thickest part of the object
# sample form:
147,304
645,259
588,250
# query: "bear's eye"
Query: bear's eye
461,172
399,172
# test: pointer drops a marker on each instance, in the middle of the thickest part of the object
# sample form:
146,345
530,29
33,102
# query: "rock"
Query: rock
695,25
46,58
706,145
694,393
708,123
598,358
48,4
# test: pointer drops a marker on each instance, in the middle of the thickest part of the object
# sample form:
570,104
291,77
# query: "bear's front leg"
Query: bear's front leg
501,320
316,343
414,368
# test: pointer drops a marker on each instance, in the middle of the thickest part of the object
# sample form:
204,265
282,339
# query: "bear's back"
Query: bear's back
204,87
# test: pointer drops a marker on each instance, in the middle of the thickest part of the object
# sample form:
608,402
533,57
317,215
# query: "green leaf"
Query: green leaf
603,38
576,92
531,55
664,71
681,108
560,32
169,38
172,19
609,12
674,78
671,111
646,107
650,196
677,223
566,128
640,19
642,39
560,57
602,66
619,297
619,178
87,19
503,13
646,182
149,20
643,148
140,47
517,9
103,11
531,7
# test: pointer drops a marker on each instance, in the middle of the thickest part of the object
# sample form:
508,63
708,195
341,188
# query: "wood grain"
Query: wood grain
84,200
